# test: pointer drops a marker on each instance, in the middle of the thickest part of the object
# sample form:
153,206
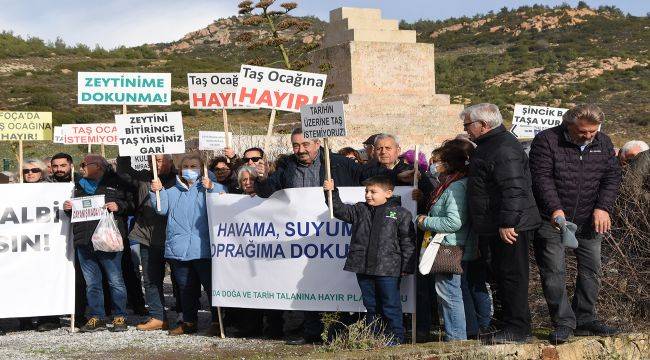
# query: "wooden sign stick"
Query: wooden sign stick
328,176
416,172
224,112
20,160
269,132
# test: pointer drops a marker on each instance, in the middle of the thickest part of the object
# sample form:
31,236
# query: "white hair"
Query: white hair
488,113
641,145
383,136
39,164
249,169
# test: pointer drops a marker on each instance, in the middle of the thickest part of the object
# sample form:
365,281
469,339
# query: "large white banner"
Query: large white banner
285,253
36,252
150,133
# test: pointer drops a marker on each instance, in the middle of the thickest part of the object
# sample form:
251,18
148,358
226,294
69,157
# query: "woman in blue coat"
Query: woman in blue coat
187,246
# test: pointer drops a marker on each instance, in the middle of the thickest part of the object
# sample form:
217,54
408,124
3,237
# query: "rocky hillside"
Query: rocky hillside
536,55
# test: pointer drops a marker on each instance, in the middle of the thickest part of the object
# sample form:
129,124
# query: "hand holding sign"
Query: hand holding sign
324,120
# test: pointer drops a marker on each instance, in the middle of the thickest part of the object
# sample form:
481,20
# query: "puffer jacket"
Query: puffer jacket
188,236
450,215
499,186
383,237
566,178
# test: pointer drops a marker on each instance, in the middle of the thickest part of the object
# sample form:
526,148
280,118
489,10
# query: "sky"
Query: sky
111,23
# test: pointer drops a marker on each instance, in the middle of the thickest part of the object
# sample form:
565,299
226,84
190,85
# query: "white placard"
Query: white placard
285,253
140,162
281,89
57,136
212,140
87,208
124,88
36,251
76,134
150,133
213,90
529,120
323,120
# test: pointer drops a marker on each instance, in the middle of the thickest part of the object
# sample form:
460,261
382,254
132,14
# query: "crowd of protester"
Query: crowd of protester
486,193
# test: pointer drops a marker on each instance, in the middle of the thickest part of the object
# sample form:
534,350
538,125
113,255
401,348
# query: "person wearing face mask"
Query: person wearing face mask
187,246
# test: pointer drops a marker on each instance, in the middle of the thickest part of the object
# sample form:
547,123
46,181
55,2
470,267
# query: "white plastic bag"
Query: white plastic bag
107,235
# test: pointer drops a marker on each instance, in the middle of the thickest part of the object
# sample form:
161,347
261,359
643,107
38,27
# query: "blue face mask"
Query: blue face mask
433,169
190,175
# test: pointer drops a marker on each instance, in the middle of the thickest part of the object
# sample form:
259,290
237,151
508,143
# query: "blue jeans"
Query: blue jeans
450,300
92,262
190,275
153,273
476,298
381,297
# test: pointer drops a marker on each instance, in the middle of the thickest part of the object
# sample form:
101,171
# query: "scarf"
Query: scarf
89,186
443,186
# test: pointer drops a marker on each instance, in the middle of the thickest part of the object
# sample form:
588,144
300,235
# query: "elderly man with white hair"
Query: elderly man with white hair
503,213
630,150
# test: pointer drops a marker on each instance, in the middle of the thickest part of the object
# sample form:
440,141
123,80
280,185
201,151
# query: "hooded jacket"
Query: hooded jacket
188,236
383,237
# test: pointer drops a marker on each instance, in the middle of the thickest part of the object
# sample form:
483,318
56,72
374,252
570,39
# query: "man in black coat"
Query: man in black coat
306,168
150,231
503,213
99,179
576,177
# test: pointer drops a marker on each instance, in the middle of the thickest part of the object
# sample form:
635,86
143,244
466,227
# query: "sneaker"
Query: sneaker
93,324
183,329
595,328
304,340
153,324
119,324
508,337
560,335
48,327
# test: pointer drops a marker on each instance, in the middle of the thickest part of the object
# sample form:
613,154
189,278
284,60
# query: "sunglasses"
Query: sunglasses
253,159
83,164
33,171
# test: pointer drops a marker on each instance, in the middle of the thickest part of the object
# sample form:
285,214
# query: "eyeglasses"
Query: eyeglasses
253,159
33,171
466,125
221,170
83,164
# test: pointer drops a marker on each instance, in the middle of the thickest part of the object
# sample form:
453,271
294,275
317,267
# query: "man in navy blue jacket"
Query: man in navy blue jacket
576,177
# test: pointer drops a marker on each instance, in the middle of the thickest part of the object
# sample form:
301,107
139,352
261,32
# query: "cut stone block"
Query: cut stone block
350,12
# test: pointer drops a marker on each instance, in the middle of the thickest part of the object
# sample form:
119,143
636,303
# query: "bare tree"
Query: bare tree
280,24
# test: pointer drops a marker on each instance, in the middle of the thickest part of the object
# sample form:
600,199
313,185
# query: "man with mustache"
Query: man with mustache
306,168
576,177
61,165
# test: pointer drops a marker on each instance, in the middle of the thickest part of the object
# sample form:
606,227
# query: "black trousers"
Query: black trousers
510,271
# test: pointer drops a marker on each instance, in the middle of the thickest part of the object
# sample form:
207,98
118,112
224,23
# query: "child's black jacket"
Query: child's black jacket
383,237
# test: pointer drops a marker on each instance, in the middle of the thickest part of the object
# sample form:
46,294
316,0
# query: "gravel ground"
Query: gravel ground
133,344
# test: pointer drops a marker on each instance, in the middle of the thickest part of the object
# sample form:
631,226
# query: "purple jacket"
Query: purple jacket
577,182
